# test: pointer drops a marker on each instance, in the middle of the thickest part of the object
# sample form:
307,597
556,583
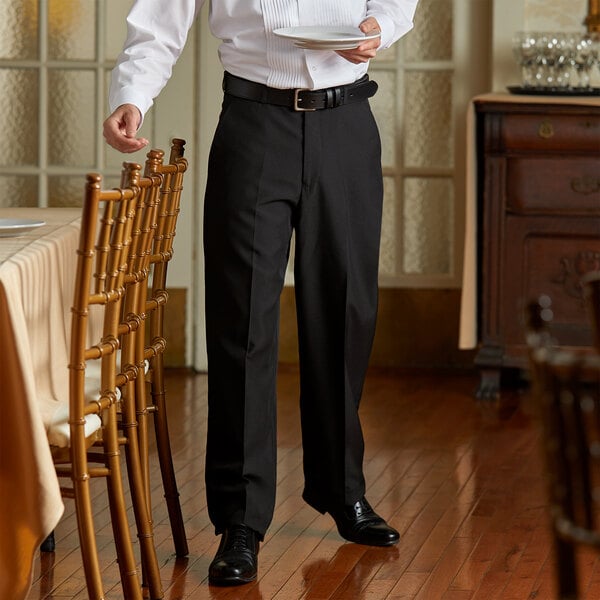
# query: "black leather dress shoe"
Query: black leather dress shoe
236,561
360,524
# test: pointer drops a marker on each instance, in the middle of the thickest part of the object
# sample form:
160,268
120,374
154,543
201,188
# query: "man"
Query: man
296,148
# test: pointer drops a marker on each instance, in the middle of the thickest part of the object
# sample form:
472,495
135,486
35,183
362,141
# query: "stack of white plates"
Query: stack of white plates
325,38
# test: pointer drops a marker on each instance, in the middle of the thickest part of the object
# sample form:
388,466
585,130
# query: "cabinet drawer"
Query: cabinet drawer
548,256
553,185
550,132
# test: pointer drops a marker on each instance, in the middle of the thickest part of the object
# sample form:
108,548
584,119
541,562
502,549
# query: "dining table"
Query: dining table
37,275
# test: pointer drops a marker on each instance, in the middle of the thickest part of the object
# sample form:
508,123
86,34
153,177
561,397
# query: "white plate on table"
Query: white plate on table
325,38
15,227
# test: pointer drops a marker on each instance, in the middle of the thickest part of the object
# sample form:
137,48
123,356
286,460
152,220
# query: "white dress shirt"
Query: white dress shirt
157,32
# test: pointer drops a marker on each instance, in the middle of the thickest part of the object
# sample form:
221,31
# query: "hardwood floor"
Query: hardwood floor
461,482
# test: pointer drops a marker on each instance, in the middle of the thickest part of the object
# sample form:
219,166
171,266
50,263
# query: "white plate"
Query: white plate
14,227
325,38
328,46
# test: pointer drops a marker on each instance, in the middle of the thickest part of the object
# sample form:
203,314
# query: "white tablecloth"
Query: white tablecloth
37,273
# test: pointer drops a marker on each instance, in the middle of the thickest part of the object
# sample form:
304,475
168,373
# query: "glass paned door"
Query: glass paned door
55,60
420,108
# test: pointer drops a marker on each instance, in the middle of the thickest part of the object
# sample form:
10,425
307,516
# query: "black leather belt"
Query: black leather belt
300,99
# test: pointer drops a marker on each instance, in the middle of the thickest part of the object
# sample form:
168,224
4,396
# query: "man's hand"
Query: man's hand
368,49
121,127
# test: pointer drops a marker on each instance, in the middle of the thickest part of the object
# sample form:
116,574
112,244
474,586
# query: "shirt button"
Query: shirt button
314,68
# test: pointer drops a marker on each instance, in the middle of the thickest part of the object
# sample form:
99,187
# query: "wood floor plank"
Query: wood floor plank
461,481
440,578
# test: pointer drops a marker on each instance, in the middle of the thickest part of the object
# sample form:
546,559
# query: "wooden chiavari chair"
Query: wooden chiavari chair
172,174
90,447
132,369
566,393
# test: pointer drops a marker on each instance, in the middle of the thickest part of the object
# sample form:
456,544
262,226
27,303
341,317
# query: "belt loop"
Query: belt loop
339,96
330,98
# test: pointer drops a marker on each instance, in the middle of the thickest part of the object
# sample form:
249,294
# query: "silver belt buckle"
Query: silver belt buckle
298,108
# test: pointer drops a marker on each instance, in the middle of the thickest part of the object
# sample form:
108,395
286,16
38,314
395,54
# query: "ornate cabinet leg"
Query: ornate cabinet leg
489,384
489,361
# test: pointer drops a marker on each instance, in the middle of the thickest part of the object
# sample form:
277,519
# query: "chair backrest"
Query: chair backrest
144,227
107,227
171,188
117,233
132,327
170,197
566,393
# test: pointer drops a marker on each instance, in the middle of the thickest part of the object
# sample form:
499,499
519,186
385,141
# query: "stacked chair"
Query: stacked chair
117,345
172,174
113,229
566,394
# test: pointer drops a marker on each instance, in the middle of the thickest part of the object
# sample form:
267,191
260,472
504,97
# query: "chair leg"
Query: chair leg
163,445
81,475
566,570
118,510
143,441
151,571
87,543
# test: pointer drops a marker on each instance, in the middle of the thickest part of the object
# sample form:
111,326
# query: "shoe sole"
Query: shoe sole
230,581
383,544
378,545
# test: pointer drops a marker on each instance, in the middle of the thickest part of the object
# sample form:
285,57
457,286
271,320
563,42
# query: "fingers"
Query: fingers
120,129
370,25
366,51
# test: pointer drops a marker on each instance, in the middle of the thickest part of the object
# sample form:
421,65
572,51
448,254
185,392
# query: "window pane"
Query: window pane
428,223
64,190
71,117
383,104
69,190
387,54
19,30
19,122
388,252
71,29
116,13
17,190
431,38
428,136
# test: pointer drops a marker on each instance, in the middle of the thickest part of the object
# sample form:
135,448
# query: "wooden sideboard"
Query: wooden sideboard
538,207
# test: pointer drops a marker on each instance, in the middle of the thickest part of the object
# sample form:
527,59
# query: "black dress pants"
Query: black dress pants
273,171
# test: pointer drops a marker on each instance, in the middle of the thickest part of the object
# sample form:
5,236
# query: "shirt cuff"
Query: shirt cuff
130,96
387,27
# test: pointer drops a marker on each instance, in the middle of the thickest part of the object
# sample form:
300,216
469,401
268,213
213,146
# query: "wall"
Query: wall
548,15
